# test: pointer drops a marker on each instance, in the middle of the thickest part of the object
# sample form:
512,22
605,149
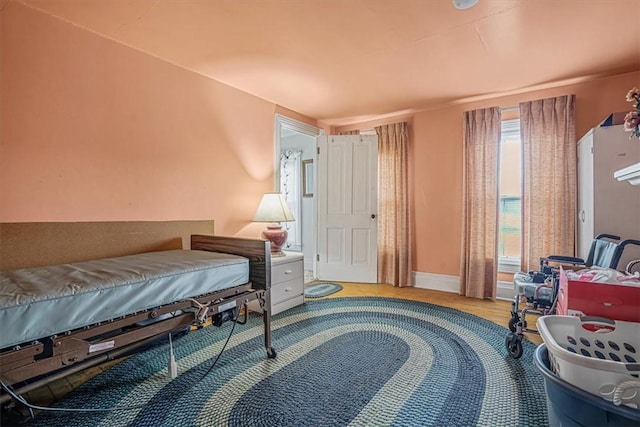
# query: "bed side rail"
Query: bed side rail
258,252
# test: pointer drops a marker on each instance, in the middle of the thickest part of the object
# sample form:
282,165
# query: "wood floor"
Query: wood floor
495,311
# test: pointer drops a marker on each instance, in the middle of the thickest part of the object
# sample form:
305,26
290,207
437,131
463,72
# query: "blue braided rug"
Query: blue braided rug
322,289
343,361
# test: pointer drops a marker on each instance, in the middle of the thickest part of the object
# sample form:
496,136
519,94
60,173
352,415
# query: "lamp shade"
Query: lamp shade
273,208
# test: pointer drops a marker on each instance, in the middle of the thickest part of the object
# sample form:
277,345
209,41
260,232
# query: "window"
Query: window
509,215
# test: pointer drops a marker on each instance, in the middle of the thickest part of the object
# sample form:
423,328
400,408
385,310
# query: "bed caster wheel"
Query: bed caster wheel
271,353
512,323
513,343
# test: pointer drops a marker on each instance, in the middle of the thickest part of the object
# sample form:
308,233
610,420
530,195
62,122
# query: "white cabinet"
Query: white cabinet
287,283
606,205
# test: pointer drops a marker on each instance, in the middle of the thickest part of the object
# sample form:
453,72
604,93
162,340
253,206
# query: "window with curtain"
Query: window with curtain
394,215
547,202
479,258
549,193
509,204
291,188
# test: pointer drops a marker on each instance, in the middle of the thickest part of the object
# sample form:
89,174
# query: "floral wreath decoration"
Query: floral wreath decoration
632,119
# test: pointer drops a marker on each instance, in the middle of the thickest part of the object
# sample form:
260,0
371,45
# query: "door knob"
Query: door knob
373,216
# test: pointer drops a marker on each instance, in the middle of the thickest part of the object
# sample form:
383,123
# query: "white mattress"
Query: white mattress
40,302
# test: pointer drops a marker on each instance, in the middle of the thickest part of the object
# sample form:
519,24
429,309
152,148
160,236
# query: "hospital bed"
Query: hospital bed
63,318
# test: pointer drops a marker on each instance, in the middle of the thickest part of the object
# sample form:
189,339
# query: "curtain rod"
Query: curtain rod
510,108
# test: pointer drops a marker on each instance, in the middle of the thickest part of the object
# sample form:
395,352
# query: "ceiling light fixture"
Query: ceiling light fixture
464,4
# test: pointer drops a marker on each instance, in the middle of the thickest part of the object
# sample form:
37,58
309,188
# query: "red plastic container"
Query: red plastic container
616,302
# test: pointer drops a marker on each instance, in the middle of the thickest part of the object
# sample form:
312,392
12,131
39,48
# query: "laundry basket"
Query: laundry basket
569,406
597,355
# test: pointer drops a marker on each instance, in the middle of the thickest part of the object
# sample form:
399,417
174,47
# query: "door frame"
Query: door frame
283,123
287,123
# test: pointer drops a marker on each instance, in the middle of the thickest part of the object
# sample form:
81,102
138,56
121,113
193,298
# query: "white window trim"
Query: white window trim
511,128
508,264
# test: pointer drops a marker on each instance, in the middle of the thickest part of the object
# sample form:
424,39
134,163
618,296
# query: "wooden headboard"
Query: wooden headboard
34,244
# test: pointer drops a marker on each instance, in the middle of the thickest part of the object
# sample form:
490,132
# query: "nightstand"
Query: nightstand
287,282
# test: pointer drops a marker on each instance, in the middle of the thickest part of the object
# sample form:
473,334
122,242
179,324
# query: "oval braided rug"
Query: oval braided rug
322,289
342,361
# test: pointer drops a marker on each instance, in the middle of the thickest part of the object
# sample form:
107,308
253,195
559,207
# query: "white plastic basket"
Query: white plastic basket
598,355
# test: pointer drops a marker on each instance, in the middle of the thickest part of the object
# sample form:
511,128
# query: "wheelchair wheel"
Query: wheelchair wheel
512,323
513,343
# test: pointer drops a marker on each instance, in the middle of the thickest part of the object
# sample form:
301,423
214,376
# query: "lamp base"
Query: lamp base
277,236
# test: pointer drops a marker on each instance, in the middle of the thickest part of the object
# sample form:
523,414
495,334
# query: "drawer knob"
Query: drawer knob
288,289
288,271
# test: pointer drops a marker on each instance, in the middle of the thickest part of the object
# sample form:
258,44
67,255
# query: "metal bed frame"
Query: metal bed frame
30,366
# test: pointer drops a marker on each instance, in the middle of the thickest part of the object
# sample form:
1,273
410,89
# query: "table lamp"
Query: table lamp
273,208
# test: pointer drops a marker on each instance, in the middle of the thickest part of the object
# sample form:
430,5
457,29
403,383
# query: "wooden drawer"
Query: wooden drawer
284,272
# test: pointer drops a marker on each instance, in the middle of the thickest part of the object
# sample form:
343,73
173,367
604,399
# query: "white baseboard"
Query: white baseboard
446,283
436,282
505,291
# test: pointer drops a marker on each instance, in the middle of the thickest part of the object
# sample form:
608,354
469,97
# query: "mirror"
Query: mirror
307,178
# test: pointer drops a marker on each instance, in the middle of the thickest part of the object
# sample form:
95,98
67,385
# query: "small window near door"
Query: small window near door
509,214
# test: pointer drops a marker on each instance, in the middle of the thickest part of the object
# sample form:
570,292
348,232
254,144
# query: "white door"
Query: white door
585,195
347,186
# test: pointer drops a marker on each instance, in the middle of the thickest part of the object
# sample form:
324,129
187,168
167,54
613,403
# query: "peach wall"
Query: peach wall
91,130
97,131
437,150
2,6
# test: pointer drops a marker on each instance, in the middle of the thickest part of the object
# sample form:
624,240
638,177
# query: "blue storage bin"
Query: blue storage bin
572,407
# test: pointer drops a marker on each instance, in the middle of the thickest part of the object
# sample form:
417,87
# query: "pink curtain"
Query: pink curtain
479,259
394,236
549,194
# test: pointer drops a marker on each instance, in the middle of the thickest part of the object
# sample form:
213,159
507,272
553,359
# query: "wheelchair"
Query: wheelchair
538,290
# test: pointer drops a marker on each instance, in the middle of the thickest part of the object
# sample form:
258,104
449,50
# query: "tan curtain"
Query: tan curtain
394,237
549,179
479,260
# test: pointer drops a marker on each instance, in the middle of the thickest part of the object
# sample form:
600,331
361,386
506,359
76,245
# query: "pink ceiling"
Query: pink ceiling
343,61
